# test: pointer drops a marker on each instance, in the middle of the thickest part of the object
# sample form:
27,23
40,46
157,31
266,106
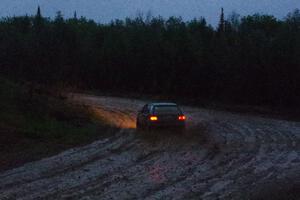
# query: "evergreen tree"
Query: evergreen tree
221,27
38,20
38,13
252,60
75,15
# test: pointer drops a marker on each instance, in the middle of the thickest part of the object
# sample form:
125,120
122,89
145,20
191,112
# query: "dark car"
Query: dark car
160,115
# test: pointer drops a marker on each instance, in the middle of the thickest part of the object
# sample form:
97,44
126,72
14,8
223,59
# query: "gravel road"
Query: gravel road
221,156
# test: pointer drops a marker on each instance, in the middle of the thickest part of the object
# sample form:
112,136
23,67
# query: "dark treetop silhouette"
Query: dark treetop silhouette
249,60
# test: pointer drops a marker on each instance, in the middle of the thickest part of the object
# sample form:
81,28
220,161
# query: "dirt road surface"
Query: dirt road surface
221,156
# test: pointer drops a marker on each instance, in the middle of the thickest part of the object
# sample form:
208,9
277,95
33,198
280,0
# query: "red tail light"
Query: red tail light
153,118
181,118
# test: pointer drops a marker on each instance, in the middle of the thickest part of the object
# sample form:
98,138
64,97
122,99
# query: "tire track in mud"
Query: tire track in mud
54,175
139,163
239,152
82,150
106,180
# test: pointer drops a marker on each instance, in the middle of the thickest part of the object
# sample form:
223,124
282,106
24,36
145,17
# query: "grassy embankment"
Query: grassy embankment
34,124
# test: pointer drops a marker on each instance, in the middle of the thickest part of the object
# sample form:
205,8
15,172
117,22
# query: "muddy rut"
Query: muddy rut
221,156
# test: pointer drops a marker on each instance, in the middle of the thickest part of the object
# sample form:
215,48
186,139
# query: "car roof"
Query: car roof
163,104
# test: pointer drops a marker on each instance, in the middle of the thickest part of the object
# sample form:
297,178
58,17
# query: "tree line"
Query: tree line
252,59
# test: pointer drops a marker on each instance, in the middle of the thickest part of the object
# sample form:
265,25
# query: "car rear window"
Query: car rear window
166,110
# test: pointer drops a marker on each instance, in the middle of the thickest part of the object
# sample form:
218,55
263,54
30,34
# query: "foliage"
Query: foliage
253,60
39,116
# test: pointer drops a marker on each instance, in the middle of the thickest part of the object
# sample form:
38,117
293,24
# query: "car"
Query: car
160,115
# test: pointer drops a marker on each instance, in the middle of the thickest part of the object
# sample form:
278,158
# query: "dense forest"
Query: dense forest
246,60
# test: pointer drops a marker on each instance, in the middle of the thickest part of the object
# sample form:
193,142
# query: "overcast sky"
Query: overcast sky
106,10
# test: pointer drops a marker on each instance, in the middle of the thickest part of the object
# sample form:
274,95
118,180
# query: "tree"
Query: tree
38,20
252,60
221,27
75,15
38,13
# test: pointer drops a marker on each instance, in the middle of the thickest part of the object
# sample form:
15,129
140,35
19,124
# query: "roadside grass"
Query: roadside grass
34,124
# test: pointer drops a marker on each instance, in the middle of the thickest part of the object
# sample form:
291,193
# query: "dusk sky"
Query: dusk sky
105,10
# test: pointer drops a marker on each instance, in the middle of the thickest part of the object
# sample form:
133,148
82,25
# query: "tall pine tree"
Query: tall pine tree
221,27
